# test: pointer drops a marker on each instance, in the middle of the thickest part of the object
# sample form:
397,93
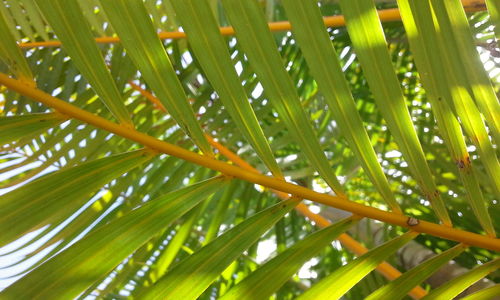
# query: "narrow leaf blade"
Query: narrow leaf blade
60,194
264,281
145,49
311,35
211,51
17,127
11,54
258,43
369,43
494,10
73,270
341,280
490,293
417,19
452,288
461,98
193,275
399,287
71,27
480,82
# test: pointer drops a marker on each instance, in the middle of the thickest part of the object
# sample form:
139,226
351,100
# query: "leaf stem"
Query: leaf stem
468,238
386,15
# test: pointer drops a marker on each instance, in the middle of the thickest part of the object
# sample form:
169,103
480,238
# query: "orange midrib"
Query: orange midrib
386,15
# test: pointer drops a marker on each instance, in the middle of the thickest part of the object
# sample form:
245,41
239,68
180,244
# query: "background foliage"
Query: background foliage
65,181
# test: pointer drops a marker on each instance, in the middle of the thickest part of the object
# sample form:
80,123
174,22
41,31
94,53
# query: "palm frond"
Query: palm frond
191,149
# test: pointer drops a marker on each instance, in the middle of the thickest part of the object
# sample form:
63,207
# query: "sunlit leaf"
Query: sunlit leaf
416,18
482,89
259,45
210,49
461,97
454,287
16,127
264,281
485,294
58,195
369,42
73,270
399,287
311,34
147,52
494,10
194,274
344,278
375,112
11,55
67,20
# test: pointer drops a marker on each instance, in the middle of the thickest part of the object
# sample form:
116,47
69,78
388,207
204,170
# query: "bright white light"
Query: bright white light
305,272
257,91
265,249
315,209
392,154
239,68
186,59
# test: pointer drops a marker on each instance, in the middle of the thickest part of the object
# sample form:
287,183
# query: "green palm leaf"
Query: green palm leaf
486,294
59,194
147,52
461,97
341,280
210,49
322,59
416,16
398,288
259,46
72,28
388,115
193,275
369,41
484,94
263,282
17,127
101,251
11,54
454,287
494,10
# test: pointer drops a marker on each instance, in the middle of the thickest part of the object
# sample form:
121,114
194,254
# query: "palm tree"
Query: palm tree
213,161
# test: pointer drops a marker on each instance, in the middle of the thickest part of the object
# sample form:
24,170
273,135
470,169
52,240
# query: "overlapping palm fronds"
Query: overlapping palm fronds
155,149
